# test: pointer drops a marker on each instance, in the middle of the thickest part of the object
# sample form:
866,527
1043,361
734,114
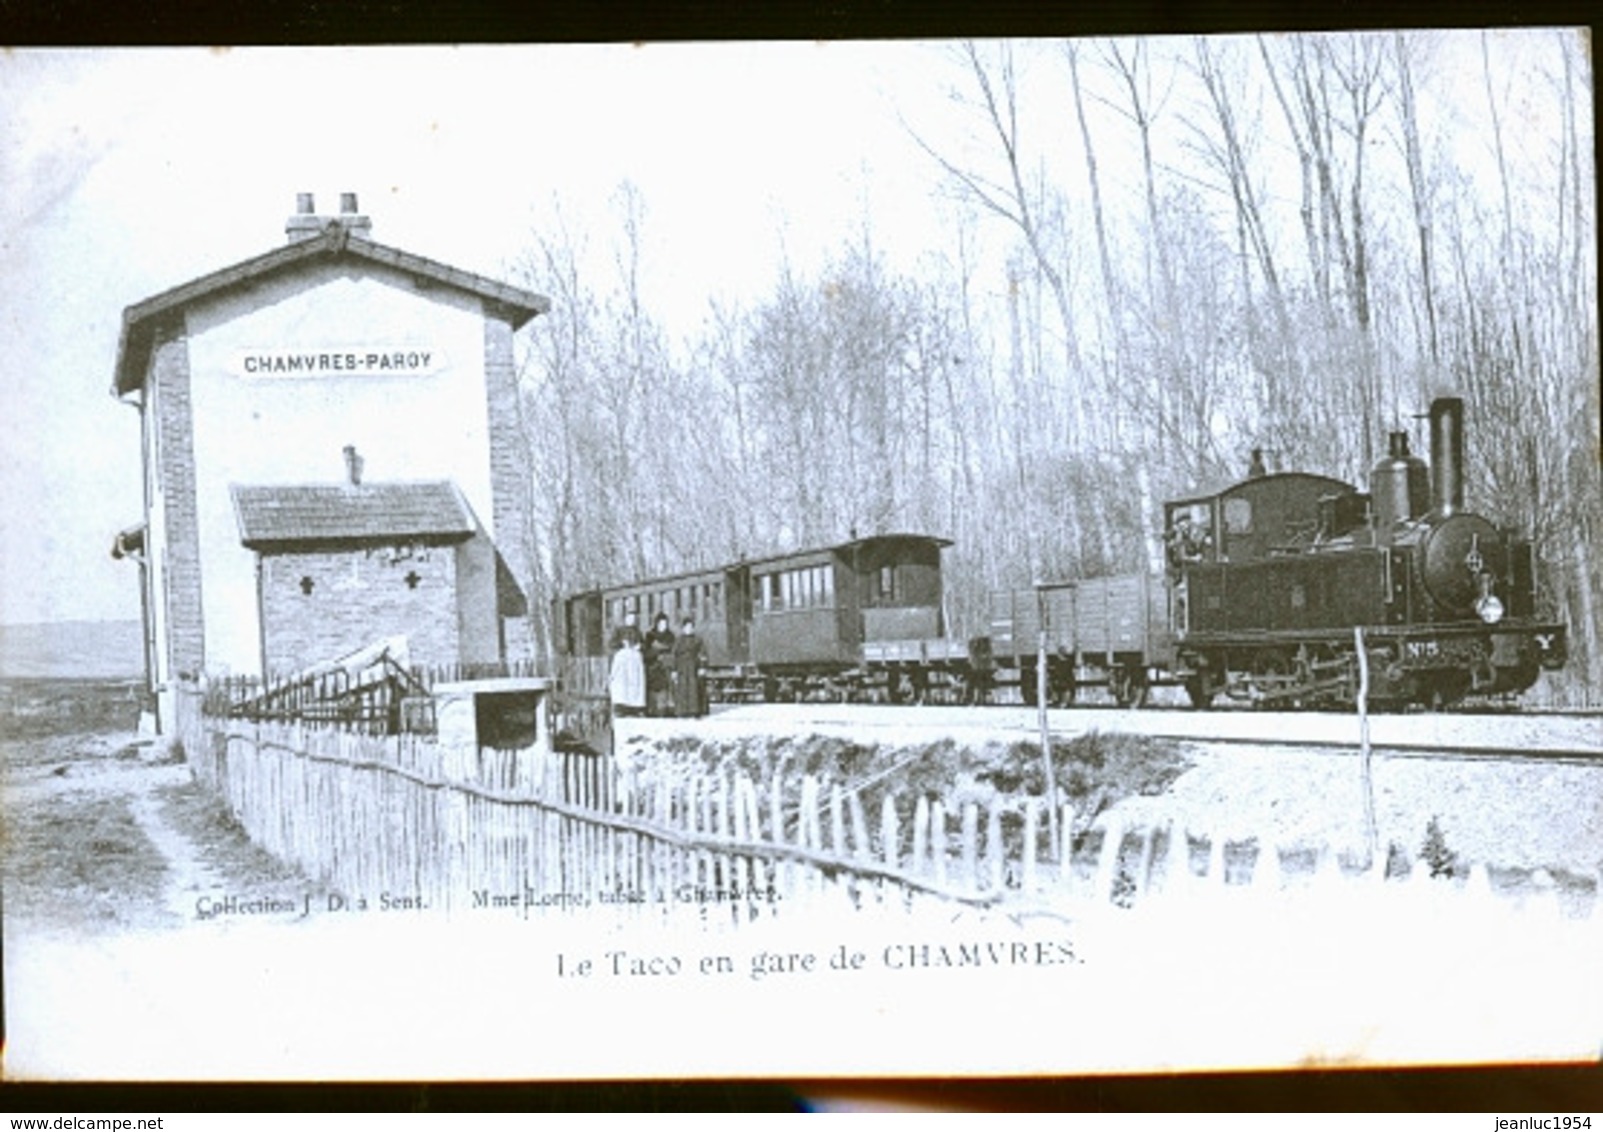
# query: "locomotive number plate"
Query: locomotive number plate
1422,650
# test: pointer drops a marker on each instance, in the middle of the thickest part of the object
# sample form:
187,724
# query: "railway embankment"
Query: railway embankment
1445,804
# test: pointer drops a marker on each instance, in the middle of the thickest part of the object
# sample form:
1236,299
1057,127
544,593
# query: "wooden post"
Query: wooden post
1371,836
1031,832
971,845
1041,686
995,857
919,861
837,820
1108,862
859,827
889,835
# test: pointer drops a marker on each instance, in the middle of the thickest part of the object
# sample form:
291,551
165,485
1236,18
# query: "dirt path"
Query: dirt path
103,833
189,873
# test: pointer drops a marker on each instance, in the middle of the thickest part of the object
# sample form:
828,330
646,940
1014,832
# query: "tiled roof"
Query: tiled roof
369,512
139,321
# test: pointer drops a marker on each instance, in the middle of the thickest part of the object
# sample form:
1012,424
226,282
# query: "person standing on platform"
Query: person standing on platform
659,666
626,683
689,658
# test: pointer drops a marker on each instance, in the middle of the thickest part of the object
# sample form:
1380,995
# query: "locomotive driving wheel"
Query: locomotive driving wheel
1271,676
1444,687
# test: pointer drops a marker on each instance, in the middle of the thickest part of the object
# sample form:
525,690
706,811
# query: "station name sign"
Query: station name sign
381,361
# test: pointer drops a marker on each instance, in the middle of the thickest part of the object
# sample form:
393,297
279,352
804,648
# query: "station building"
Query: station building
333,455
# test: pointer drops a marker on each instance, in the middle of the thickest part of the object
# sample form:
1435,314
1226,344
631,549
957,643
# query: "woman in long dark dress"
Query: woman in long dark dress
659,665
689,658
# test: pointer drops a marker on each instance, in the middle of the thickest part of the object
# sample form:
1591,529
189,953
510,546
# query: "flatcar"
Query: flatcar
782,627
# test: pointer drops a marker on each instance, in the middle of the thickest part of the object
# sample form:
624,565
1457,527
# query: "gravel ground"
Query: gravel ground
1438,732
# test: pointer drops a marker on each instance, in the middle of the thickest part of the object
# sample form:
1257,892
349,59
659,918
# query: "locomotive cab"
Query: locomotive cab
1257,518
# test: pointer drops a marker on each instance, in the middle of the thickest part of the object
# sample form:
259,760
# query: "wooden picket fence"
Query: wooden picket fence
407,817
410,819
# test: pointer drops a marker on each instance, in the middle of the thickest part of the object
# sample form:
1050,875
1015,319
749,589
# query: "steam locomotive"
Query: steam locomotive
1287,589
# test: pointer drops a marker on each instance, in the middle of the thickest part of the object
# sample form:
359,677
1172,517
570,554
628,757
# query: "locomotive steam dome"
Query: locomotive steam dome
1400,485
1456,553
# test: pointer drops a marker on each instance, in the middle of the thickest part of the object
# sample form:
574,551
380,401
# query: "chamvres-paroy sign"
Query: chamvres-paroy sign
331,361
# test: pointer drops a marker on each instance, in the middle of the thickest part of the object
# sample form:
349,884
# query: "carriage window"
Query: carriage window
829,584
887,584
1238,516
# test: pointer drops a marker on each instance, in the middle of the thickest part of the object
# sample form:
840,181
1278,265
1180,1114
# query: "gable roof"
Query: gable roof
269,516
336,242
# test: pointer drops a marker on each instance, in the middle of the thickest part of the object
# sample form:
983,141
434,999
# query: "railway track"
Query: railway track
1550,737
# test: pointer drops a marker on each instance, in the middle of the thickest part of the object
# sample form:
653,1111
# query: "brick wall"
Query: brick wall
357,597
509,478
169,377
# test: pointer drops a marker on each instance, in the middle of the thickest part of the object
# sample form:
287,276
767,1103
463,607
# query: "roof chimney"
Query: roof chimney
353,465
304,225
359,226
307,225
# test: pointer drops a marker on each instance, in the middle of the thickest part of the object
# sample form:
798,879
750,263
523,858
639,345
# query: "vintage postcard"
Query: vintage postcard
801,559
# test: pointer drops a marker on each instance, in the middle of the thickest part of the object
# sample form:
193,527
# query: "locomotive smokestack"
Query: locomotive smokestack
1447,455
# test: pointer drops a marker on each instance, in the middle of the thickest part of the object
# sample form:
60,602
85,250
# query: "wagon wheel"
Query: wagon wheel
1129,686
1199,691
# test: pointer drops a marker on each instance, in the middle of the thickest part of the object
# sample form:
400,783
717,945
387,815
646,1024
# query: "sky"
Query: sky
124,172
